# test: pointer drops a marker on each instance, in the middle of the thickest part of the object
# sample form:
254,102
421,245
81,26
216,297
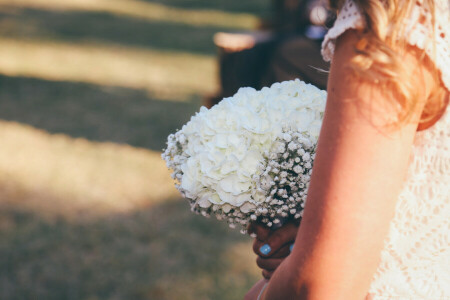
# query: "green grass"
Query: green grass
147,254
103,27
98,113
256,7
89,91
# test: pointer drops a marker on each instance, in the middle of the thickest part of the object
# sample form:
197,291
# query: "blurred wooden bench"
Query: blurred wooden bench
245,58
242,58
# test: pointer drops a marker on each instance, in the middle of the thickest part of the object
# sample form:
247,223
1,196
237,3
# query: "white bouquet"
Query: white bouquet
250,157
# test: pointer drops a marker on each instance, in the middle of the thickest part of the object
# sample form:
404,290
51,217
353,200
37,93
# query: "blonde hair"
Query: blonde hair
379,53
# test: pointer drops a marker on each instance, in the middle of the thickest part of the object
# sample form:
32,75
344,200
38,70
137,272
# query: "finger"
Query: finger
281,237
268,264
267,274
262,232
250,229
281,253
257,244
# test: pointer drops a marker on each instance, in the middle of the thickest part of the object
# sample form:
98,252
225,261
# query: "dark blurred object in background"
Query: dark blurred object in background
285,47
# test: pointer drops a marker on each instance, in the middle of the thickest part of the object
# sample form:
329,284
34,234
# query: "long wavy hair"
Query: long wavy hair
379,54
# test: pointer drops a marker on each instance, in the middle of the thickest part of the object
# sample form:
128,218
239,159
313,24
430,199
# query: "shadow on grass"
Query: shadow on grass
258,7
160,252
98,113
107,28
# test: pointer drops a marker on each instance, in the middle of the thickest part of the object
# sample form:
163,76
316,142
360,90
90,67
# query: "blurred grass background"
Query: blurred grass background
89,91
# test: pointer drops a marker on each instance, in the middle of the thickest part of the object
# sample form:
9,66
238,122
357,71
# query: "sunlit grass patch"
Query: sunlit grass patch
147,11
105,28
56,175
165,75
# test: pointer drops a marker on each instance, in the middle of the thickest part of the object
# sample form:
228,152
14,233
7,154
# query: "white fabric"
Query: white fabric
415,261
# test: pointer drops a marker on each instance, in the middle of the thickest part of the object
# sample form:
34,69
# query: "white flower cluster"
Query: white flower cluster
285,178
250,156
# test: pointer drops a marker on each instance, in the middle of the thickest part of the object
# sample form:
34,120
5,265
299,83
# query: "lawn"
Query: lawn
89,91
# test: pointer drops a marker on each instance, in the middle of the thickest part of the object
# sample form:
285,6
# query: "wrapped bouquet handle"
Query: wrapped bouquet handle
250,157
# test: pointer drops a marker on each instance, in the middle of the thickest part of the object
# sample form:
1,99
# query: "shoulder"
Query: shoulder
420,76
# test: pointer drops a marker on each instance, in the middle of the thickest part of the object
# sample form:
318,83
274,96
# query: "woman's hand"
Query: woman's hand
272,246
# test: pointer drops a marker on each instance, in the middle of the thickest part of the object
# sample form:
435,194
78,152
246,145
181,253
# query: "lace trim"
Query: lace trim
348,18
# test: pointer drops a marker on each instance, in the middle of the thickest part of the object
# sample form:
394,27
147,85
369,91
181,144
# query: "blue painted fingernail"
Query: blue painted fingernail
291,247
265,249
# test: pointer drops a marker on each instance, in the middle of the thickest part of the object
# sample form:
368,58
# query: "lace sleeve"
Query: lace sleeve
349,17
418,31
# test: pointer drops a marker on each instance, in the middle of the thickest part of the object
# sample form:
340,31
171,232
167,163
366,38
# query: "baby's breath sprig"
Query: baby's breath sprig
286,175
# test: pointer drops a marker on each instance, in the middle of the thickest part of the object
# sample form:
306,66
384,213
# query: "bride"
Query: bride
376,224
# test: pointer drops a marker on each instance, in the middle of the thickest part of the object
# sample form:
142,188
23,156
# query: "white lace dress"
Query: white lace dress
415,261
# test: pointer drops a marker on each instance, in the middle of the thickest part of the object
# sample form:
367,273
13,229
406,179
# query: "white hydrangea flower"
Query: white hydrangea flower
231,160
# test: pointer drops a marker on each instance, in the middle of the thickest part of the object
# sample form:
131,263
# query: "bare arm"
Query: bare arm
358,173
